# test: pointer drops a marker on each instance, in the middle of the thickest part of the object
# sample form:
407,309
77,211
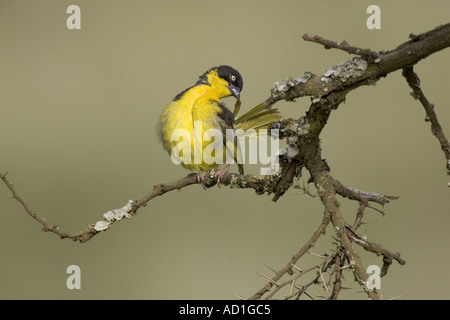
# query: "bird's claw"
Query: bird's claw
201,177
221,173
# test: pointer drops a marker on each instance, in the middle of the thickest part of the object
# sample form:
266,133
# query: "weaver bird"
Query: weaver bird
199,108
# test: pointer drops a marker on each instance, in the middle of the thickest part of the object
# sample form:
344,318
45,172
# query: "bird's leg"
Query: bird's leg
201,177
221,173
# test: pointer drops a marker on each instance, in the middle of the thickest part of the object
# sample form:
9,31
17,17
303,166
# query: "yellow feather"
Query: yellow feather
199,103
257,118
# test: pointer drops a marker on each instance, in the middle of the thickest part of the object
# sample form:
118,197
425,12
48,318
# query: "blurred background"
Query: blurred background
78,110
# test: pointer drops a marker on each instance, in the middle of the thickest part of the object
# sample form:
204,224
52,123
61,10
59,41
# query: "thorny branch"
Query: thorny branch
288,267
302,135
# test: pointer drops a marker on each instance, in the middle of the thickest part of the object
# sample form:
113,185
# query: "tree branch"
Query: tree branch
388,256
328,44
436,129
288,267
360,71
328,92
261,185
301,273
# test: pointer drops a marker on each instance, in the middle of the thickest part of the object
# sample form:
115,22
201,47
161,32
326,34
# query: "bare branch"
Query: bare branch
388,256
260,185
414,82
82,236
360,71
337,281
362,196
328,44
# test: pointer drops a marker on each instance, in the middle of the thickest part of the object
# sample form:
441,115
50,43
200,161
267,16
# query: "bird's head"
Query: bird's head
225,80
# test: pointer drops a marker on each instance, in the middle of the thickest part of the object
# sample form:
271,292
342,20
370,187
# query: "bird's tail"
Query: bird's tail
257,118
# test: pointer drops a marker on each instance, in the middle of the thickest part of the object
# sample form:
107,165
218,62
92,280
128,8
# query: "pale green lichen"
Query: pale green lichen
301,127
101,225
114,215
234,182
284,85
345,70
119,214
290,151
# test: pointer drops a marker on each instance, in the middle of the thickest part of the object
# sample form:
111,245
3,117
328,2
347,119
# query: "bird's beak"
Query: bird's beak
235,91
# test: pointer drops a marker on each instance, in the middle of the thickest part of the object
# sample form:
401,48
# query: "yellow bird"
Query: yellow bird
197,110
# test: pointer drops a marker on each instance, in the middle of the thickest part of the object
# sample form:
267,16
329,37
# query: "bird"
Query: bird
201,104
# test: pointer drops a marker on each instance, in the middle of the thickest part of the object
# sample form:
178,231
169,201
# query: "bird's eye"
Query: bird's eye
233,78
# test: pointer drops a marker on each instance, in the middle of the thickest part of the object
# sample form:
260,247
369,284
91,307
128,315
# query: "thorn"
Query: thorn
291,291
274,271
310,296
268,279
295,267
317,255
323,281
376,209
239,297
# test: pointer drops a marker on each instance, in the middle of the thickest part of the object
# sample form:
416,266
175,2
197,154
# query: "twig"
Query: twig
359,215
388,256
304,189
304,288
82,236
341,46
337,278
259,184
362,196
358,72
414,82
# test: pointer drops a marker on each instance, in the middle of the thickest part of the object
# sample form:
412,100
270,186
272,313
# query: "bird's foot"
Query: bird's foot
221,173
201,178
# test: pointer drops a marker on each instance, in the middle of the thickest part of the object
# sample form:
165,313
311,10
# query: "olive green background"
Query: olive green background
78,110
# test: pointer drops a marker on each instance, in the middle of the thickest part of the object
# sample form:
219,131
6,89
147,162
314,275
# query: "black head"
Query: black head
231,75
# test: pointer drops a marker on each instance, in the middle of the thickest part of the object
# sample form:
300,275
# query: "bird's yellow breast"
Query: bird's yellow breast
199,103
